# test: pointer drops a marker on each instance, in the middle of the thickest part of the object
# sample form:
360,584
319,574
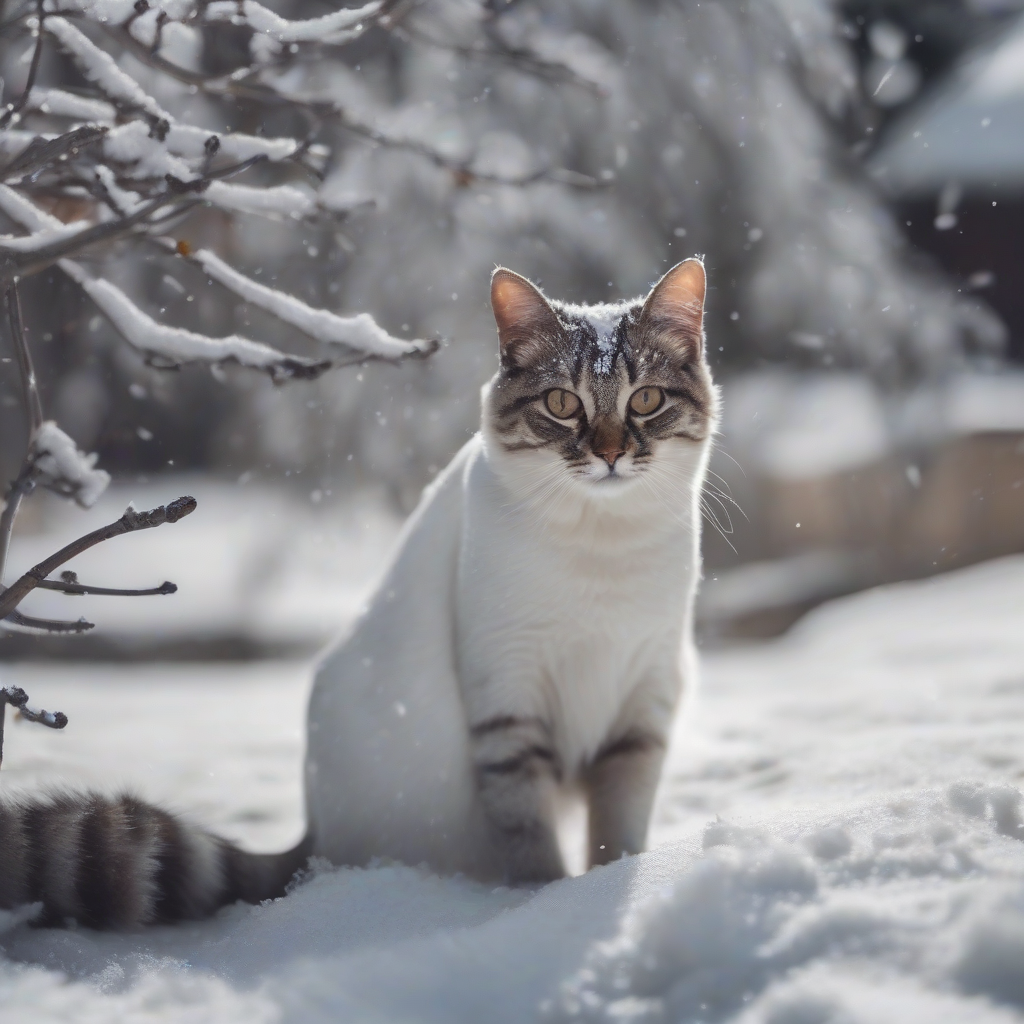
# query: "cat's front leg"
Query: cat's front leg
620,785
518,772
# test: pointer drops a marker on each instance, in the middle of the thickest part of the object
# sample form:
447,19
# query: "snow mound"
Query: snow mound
921,900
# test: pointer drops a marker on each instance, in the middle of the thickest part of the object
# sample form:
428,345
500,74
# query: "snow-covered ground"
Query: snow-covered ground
839,840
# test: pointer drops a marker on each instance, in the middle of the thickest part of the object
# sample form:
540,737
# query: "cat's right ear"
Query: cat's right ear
526,323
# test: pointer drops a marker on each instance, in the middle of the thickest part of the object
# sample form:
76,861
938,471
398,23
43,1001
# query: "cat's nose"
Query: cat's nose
611,457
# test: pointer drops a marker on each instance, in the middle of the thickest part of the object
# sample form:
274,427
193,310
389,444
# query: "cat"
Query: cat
535,629
533,634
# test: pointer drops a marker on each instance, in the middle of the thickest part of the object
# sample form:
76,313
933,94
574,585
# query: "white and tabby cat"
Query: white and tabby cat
533,632
534,629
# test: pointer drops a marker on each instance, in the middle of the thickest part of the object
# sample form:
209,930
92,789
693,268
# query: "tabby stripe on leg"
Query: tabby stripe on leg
500,722
630,743
517,762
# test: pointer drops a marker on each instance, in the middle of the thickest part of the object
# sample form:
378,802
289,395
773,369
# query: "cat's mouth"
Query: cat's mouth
611,478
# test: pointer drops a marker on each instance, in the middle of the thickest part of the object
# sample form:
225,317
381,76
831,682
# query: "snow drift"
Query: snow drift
838,840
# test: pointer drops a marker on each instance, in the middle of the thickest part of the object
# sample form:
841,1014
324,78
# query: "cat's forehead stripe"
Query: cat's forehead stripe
598,334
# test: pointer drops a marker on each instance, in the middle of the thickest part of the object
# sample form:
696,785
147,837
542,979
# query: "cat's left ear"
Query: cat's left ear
675,308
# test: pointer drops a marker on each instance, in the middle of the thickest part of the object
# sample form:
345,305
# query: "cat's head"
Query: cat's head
607,396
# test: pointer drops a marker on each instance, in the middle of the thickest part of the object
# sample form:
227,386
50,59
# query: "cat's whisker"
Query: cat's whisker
716,444
706,500
724,496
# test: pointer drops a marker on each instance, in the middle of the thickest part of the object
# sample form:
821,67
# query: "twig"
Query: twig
521,59
33,406
226,86
33,70
25,480
128,523
49,625
40,152
35,260
68,584
18,698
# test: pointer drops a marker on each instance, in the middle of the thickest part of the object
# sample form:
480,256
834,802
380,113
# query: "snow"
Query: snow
802,426
113,12
283,200
144,156
837,839
101,69
188,140
979,403
40,239
176,345
27,214
777,583
44,227
336,27
63,468
61,103
126,202
359,332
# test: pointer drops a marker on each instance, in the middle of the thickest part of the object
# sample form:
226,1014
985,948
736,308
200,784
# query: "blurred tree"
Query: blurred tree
724,127
902,48
97,169
476,129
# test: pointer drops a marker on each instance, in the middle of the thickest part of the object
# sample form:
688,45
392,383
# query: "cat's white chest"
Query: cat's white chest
564,626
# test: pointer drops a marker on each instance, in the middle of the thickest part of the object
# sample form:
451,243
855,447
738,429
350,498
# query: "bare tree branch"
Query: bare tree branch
22,485
68,584
49,625
130,522
244,87
33,70
519,58
33,406
16,697
35,260
25,480
41,152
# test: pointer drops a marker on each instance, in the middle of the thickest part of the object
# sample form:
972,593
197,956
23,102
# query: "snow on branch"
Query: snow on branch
277,200
101,69
25,213
188,141
169,347
59,466
60,103
39,239
360,332
17,698
175,346
336,27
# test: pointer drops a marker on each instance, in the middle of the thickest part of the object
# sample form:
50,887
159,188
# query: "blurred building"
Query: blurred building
825,484
953,166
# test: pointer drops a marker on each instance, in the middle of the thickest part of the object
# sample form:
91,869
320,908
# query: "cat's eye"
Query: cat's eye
646,400
562,403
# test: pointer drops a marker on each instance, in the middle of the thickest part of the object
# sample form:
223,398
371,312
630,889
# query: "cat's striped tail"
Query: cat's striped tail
119,863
